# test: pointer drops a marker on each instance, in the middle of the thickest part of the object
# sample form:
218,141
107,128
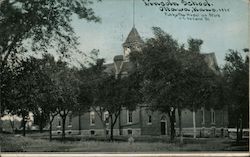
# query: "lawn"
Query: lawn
11,143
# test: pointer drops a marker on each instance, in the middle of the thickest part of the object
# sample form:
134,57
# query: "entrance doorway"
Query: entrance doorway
163,128
164,125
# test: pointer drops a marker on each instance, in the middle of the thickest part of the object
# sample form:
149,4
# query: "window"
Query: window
59,122
149,119
203,115
106,117
129,132
70,120
92,118
92,132
129,116
212,116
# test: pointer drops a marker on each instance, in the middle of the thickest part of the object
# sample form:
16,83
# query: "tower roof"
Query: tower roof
133,37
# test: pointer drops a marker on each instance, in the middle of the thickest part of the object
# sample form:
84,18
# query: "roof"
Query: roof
109,68
211,61
118,58
133,37
127,67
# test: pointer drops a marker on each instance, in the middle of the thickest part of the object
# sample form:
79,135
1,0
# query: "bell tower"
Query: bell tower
133,43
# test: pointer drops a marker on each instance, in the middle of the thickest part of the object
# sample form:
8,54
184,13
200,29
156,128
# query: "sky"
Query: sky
230,31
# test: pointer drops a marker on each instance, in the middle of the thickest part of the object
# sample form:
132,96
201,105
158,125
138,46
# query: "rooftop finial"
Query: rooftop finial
133,13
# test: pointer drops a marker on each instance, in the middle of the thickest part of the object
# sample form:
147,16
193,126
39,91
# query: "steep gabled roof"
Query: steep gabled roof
133,37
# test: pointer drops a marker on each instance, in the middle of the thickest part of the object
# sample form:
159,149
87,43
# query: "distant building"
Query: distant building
142,121
11,123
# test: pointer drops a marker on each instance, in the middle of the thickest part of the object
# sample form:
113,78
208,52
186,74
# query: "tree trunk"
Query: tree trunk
1,128
180,126
172,127
79,123
50,130
241,128
63,127
237,133
194,124
1,125
50,126
40,126
104,130
111,128
12,124
103,120
24,125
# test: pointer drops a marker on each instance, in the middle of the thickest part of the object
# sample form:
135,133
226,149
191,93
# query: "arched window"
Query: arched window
163,118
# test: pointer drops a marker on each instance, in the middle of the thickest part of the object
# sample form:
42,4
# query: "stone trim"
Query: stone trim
100,132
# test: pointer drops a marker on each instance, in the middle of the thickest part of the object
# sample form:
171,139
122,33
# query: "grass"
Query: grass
11,143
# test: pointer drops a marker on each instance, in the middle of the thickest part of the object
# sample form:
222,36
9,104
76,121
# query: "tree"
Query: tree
236,73
200,79
45,23
91,78
85,97
194,45
115,93
24,91
45,88
41,118
159,66
6,90
174,78
67,83
39,26
48,93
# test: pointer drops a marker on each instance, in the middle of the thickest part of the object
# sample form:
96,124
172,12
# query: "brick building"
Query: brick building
142,121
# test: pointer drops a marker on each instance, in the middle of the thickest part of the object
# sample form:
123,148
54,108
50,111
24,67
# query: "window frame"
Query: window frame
70,120
104,117
59,125
92,121
213,116
149,120
203,115
128,117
